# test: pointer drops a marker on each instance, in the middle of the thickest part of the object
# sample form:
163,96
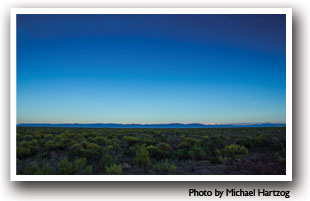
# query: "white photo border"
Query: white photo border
289,126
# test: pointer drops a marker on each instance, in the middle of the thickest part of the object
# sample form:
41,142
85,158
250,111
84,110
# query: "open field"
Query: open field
207,151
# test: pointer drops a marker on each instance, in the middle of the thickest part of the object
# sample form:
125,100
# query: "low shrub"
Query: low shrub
246,141
50,145
197,153
172,169
86,149
37,135
164,167
47,170
77,150
106,160
161,166
260,141
205,139
153,150
187,143
164,149
142,158
79,165
100,140
92,151
89,169
130,140
33,145
28,137
22,152
65,167
112,147
33,169
234,151
222,159
114,169
217,142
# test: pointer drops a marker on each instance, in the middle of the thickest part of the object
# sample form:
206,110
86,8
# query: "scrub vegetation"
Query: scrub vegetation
113,151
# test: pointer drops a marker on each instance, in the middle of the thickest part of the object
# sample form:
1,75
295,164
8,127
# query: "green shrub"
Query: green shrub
142,158
106,160
101,140
33,169
19,137
130,140
217,142
92,134
77,150
79,165
249,142
23,152
112,147
37,135
187,143
153,151
28,148
114,169
68,134
160,137
47,170
89,169
47,136
164,167
260,140
222,159
33,144
146,139
65,167
234,151
91,139
28,137
102,163
172,169
86,149
60,142
246,141
205,139
164,149
197,153
92,151
280,157
132,135
50,145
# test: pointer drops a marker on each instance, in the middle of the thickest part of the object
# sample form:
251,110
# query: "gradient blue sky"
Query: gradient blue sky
151,68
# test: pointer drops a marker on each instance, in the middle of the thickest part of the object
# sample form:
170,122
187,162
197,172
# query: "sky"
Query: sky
151,68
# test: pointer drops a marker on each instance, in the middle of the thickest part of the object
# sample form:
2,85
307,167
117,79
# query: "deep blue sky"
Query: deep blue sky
151,68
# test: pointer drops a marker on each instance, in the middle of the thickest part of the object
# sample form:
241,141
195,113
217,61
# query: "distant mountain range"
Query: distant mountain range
170,125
